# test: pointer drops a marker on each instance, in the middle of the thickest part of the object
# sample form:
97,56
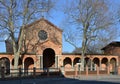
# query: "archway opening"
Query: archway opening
48,58
67,62
113,66
19,62
29,63
95,63
104,64
5,62
76,60
88,63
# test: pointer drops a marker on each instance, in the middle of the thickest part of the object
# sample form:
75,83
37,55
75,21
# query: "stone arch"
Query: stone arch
19,62
104,63
5,62
113,65
76,60
67,62
48,58
96,62
87,61
28,63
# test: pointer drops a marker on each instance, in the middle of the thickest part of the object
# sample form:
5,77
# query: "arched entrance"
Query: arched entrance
113,65
88,63
48,58
96,63
19,63
67,62
28,64
5,62
104,64
76,60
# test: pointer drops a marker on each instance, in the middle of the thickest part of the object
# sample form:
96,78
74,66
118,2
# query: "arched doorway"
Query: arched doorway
96,63
113,66
104,64
5,62
19,63
76,60
67,62
48,58
88,63
28,64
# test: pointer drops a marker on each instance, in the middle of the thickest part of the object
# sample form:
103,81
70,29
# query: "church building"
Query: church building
42,48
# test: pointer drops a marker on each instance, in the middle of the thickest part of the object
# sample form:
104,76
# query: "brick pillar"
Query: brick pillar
72,65
108,70
34,71
76,71
118,70
56,61
98,70
86,70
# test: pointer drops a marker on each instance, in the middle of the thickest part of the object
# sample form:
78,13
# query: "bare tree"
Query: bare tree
103,38
89,16
15,15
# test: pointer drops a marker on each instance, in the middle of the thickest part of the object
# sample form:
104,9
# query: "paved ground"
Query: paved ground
72,80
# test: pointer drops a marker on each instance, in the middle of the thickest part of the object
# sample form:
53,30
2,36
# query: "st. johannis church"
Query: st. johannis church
42,48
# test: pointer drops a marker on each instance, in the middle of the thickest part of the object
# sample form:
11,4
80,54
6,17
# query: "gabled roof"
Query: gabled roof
114,43
43,19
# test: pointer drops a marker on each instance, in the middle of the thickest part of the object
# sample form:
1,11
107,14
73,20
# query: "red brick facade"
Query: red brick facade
46,51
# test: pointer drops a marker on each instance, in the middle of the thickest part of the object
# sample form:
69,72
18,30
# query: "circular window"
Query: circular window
42,35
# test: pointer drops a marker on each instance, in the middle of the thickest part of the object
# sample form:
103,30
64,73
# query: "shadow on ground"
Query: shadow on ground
56,80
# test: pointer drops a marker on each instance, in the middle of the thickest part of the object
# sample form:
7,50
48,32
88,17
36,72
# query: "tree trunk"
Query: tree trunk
16,61
84,45
83,55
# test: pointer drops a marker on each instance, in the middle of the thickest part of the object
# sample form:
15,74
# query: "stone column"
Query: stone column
11,66
91,66
100,65
35,62
72,64
41,61
56,61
